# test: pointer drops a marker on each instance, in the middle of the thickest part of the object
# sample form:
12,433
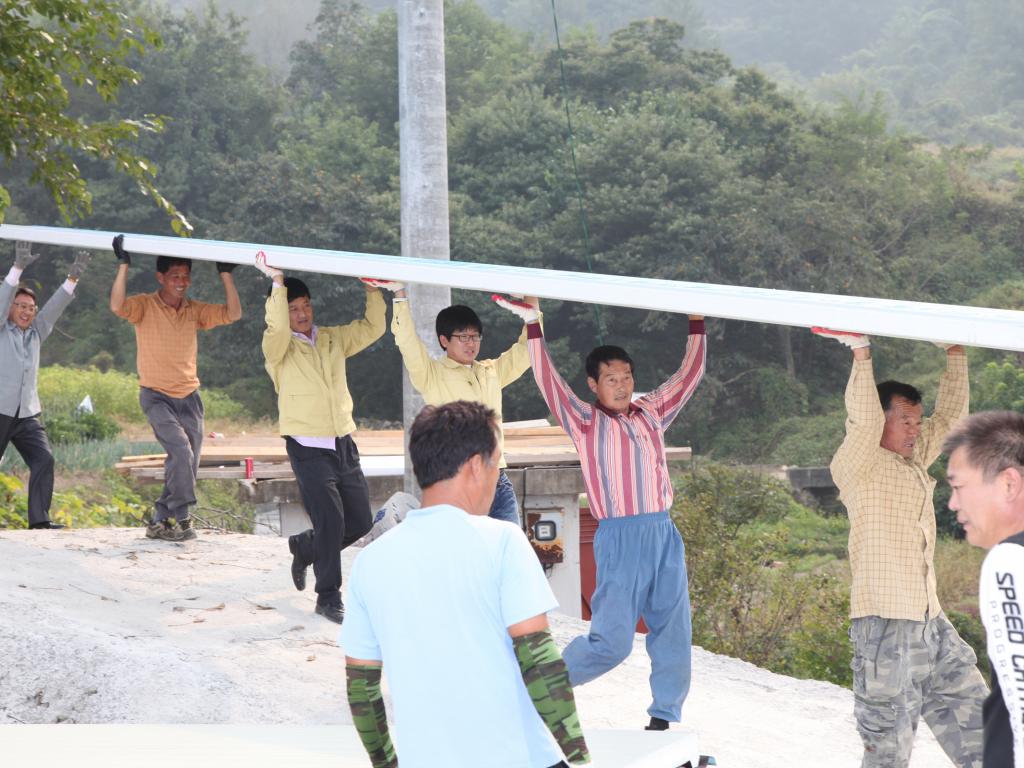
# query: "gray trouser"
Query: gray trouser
904,670
178,426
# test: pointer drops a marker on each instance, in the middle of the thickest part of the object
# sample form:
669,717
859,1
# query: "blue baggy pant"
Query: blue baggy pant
641,571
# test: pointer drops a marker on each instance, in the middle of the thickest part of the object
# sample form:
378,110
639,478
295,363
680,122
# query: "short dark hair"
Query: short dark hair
456,318
164,263
296,289
887,390
444,437
22,289
605,354
993,440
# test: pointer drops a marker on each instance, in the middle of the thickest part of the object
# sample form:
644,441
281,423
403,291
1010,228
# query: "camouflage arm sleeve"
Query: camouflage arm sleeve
547,681
367,705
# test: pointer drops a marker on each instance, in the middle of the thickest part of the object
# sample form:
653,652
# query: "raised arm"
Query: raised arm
865,419
63,296
951,404
415,356
23,256
278,334
234,304
359,334
514,361
669,398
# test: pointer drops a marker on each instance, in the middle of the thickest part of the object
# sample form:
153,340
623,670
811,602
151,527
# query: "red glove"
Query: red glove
387,285
850,338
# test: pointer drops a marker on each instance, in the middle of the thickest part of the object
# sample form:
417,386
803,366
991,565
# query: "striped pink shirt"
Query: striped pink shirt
631,445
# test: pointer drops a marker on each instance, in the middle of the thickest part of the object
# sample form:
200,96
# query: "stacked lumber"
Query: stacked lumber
526,444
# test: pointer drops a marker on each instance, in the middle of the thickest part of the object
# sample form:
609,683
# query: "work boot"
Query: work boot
165,530
333,611
188,533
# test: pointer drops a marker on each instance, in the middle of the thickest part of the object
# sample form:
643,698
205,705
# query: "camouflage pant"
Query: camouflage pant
904,670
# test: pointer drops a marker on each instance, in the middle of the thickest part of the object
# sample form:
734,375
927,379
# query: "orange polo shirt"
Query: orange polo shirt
166,341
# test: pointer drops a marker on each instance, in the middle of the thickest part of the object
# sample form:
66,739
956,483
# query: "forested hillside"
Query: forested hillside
692,168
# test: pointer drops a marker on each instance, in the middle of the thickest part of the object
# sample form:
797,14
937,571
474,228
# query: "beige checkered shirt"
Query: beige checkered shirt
889,498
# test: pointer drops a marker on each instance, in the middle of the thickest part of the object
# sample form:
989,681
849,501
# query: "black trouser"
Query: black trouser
336,497
29,439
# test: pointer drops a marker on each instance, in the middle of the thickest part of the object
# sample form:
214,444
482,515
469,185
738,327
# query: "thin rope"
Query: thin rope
598,319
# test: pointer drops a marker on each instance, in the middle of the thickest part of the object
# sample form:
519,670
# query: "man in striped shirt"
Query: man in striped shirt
641,566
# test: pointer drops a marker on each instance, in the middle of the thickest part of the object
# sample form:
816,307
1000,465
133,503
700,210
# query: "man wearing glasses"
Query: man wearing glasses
459,375
20,338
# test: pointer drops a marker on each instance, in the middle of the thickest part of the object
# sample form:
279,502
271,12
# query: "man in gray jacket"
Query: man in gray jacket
20,337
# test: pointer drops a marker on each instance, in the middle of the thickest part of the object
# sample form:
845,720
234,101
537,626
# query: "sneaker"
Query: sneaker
187,531
333,611
165,530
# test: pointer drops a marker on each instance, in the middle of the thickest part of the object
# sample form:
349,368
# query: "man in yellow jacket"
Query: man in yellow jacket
458,375
307,365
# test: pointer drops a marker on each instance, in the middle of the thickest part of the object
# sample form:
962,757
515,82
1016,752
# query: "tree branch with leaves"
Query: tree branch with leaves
47,47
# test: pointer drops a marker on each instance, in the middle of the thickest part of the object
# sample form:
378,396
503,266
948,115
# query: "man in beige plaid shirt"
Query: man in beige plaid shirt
908,660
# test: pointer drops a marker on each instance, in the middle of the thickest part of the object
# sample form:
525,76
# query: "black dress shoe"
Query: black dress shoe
45,524
298,567
332,611
657,724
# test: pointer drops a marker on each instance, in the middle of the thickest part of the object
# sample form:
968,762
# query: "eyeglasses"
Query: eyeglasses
468,338
26,307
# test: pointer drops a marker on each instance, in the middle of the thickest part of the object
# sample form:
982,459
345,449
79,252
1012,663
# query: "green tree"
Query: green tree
48,49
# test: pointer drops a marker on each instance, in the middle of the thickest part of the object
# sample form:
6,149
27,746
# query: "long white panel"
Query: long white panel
972,326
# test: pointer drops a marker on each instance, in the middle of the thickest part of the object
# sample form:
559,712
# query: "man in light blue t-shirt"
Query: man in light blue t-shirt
454,604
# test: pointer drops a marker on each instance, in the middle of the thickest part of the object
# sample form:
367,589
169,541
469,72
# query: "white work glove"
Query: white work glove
520,309
849,338
23,255
388,285
266,269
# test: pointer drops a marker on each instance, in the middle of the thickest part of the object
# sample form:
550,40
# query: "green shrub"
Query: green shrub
79,427
750,598
113,502
115,395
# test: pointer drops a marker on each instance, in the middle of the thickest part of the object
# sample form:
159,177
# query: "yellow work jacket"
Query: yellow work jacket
443,380
312,389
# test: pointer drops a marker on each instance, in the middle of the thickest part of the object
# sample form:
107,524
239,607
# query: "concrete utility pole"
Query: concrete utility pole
423,142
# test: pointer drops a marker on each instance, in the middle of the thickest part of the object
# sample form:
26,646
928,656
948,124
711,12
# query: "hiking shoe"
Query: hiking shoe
333,611
188,533
298,567
657,724
164,530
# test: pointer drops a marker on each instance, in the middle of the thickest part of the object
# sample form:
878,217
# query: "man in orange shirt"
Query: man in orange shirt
166,343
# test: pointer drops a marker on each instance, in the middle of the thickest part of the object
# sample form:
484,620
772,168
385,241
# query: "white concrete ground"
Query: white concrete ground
105,626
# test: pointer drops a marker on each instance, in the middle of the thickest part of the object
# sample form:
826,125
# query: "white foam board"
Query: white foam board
971,326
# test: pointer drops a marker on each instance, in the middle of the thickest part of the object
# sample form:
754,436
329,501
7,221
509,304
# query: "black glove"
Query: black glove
225,266
123,257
